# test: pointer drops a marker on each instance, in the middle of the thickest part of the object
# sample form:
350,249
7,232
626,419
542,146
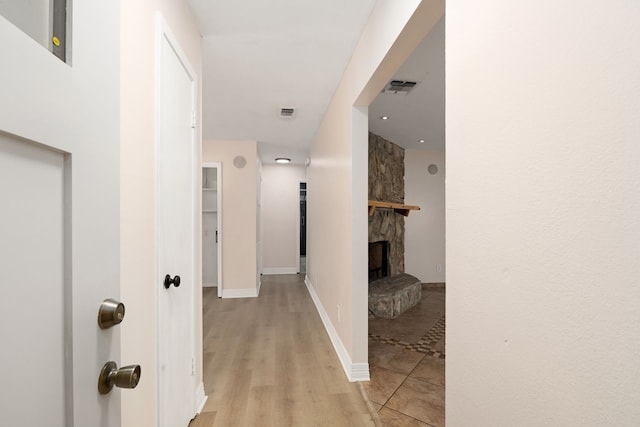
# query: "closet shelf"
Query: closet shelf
400,208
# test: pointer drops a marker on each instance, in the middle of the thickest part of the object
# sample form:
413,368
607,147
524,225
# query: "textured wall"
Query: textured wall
543,213
239,213
424,245
386,183
280,217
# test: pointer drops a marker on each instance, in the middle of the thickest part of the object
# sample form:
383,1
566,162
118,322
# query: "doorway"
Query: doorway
302,226
406,151
211,226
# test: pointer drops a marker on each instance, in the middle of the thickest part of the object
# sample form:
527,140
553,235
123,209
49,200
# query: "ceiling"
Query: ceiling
259,57
418,115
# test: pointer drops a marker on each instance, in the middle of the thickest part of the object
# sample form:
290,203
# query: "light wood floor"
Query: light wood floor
268,362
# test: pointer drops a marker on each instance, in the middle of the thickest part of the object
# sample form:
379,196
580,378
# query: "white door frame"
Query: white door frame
218,166
164,31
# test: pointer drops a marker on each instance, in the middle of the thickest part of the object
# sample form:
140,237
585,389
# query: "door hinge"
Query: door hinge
193,119
193,366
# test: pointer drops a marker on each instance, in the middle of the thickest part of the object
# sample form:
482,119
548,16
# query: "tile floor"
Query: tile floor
407,361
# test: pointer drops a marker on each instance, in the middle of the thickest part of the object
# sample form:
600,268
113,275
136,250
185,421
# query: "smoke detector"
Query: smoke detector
399,87
288,112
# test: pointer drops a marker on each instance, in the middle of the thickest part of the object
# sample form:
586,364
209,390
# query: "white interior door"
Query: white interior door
176,219
59,223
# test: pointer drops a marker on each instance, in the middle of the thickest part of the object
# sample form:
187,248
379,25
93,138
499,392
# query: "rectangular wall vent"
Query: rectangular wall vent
401,87
287,112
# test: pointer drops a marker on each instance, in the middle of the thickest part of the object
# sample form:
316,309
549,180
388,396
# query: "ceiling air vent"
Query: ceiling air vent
287,112
401,87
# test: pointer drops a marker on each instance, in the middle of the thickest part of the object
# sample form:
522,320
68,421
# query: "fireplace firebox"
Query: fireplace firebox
378,260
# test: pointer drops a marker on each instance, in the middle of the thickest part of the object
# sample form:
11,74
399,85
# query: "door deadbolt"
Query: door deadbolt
110,313
125,377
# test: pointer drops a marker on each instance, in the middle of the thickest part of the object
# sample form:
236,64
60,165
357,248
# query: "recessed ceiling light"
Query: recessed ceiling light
421,141
384,117
282,160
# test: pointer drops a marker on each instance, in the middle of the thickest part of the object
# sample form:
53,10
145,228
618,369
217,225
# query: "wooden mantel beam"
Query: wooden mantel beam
397,207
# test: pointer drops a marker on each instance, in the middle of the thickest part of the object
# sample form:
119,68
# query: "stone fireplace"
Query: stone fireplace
386,183
391,290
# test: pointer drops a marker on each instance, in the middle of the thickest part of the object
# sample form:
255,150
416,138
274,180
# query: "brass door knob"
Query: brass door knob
125,377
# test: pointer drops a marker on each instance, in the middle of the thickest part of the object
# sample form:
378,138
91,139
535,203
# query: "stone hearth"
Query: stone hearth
389,297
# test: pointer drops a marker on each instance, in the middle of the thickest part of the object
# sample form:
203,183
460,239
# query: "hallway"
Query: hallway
268,362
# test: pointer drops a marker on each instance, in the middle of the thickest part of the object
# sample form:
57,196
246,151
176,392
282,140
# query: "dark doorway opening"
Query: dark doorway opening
303,227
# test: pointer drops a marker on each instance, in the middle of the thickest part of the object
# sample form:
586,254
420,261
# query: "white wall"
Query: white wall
424,235
138,194
337,177
543,213
239,235
280,217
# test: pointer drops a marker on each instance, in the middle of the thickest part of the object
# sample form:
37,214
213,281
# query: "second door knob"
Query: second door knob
168,281
125,377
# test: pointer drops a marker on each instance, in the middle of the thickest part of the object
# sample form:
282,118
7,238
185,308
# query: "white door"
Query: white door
176,219
59,224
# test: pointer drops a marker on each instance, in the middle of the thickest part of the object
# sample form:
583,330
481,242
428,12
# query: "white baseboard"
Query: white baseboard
360,372
353,371
286,270
240,293
201,398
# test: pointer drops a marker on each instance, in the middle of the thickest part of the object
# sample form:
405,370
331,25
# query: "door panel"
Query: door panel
36,302
176,237
59,222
